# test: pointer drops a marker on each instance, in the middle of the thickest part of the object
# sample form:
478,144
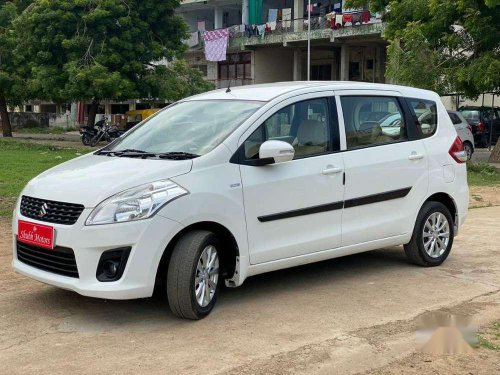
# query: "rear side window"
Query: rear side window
425,112
454,118
372,120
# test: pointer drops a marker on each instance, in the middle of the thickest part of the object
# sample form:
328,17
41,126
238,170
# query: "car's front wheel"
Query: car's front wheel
432,237
193,275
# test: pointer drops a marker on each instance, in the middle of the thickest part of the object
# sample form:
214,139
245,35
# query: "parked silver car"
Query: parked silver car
464,131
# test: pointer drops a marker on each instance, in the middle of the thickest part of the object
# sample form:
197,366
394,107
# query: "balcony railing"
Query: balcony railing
297,30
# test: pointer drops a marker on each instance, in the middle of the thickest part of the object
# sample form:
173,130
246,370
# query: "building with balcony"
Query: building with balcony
268,41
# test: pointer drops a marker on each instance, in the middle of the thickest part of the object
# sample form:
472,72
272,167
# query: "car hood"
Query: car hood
90,179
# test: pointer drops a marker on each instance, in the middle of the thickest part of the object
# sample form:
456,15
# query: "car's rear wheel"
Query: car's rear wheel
432,237
193,275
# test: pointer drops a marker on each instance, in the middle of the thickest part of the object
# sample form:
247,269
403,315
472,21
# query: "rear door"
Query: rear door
294,208
386,167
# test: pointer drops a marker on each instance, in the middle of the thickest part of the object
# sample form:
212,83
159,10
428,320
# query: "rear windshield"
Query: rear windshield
471,115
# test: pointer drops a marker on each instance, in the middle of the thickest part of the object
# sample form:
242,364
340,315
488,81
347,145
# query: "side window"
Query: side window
372,120
455,119
305,125
425,112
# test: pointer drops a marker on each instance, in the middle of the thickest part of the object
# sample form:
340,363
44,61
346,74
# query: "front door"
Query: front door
294,208
386,166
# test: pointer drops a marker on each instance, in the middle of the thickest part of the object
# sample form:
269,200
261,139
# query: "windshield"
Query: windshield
194,127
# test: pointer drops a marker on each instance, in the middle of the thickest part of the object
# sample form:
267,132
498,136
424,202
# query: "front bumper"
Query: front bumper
147,238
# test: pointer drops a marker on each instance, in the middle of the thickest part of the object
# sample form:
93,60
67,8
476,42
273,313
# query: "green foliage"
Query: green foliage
482,174
96,49
176,81
12,87
21,161
444,45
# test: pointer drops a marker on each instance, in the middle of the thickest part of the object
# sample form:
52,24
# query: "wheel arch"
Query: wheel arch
448,201
229,256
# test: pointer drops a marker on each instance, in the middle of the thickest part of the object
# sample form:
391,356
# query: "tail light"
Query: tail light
457,151
480,127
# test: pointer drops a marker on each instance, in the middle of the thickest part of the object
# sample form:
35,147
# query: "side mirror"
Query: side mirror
276,152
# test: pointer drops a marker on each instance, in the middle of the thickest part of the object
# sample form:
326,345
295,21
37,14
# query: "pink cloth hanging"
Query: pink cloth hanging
216,44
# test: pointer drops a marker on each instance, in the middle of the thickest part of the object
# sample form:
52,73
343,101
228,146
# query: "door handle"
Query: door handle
415,156
331,170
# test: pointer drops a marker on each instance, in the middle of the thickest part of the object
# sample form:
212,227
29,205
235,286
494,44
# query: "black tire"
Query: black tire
415,250
181,274
469,149
86,139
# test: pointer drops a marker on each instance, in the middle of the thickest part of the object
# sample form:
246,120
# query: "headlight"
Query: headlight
137,203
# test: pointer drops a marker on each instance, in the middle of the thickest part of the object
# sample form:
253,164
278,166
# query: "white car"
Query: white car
464,131
233,183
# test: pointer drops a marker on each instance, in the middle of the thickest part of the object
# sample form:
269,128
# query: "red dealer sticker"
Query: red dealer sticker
35,234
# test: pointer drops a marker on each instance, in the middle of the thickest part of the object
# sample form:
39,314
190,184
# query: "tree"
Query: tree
12,89
176,81
97,49
449,46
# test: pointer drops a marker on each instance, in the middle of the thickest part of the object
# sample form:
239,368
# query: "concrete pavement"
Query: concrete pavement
345,316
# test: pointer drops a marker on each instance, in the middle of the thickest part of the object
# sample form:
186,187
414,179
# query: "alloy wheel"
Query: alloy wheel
436,235
206,276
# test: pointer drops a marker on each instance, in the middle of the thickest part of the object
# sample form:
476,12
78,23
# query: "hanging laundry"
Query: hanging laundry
216,44
242,29
287,17
272,25
201,25
347,18
193,40
356,18
338,19
366,16
262,30
337,7
273,15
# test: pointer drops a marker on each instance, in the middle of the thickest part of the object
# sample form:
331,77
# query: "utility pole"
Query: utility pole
309,40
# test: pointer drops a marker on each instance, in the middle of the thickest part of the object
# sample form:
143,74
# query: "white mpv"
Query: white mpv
233,183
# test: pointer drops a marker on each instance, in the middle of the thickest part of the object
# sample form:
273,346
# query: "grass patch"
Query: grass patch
45,130
482,174
21,161
490,337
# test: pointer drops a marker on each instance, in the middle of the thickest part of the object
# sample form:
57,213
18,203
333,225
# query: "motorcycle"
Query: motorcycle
106,132
87,133
91,136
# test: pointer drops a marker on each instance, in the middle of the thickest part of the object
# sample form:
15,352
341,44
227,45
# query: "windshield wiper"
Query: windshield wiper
177,155
145,154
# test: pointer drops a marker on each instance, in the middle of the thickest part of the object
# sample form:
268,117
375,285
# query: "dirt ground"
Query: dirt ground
371,313
484,196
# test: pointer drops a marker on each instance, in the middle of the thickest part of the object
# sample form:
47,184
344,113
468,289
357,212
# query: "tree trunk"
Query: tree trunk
4,116
93,112
495,154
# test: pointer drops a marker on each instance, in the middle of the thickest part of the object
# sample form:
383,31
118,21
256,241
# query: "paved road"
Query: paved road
341,316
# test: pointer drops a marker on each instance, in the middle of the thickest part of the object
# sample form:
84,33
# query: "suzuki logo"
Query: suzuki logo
43,210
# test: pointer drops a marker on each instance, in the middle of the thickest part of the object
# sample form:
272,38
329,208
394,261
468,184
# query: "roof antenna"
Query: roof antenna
228,90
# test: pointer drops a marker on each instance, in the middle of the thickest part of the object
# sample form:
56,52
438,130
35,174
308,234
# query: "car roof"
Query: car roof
268,91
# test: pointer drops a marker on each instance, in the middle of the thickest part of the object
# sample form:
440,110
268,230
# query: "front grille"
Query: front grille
60,260
50,211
